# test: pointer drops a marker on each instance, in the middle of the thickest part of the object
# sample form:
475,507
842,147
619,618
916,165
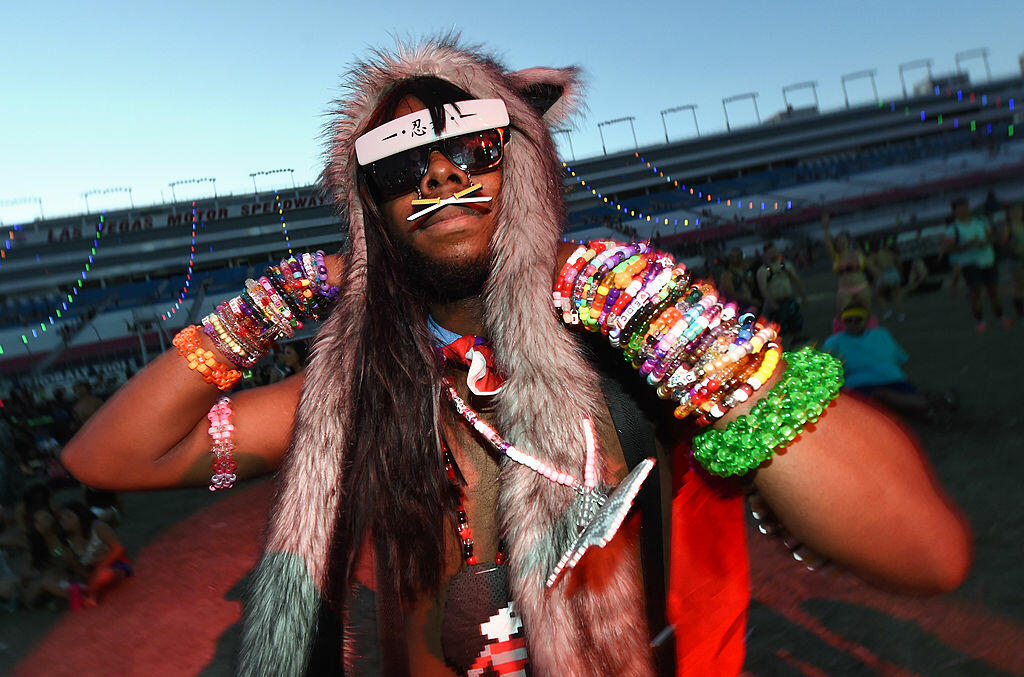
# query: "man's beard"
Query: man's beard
443,281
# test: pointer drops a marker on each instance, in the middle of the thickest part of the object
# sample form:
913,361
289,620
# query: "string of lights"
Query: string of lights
960,95
58,312
9,242
284,226
623,209
188,269
775,205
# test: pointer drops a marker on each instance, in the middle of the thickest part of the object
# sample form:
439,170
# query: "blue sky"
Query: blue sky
140,94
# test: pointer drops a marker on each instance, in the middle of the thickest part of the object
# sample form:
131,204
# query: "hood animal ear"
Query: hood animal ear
555,93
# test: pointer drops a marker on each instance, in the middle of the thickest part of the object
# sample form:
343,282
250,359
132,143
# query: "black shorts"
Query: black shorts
789,316
976,275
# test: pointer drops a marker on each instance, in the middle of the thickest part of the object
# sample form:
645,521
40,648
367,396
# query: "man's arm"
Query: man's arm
855,488
153,432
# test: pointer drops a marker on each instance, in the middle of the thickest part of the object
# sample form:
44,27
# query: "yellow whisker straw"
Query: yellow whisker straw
423,201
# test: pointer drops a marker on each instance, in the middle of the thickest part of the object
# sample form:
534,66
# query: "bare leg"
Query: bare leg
993,296
974,294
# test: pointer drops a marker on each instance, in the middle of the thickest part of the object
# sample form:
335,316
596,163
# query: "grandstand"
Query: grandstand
65,301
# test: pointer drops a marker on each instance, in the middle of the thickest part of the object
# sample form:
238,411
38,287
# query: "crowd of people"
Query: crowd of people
59,547
873,276
58,544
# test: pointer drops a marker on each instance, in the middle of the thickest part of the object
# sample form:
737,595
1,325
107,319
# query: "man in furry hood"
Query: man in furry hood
580,627
361,548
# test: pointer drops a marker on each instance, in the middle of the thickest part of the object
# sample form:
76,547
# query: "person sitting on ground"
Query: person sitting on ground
102,559
53,564
873,366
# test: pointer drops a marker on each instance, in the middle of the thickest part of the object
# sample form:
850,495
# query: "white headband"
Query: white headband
416,129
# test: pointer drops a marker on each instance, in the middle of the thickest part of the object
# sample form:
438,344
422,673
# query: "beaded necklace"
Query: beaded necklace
507,449
464,531
598,510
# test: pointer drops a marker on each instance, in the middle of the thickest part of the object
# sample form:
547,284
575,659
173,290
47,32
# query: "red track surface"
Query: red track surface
168,618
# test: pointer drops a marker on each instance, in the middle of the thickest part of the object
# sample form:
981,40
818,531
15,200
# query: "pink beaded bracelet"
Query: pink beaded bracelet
221,445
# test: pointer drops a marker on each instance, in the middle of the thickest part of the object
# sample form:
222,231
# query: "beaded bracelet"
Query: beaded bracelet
203,361
812,380
222,445
271,307
682,337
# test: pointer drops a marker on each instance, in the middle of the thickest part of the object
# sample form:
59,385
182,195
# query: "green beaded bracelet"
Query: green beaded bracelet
811,381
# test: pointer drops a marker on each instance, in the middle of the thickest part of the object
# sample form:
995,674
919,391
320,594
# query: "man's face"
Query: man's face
736,256
447,252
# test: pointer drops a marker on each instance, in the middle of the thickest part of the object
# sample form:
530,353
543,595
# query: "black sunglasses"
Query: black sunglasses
402,172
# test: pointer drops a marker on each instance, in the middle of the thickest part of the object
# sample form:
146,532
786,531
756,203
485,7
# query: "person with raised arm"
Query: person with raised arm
458,462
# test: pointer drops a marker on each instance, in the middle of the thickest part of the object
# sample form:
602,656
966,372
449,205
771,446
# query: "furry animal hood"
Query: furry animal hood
592,622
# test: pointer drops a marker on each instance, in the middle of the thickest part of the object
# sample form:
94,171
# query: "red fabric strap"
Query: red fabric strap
709,574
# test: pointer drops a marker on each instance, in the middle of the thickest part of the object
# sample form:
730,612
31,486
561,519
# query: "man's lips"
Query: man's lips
450,212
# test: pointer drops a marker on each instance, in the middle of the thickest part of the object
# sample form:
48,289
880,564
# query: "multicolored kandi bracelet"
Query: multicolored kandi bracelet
811,381
271,307
222,445
687,341
203,361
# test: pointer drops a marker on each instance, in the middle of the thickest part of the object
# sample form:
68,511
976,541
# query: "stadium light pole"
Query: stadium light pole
916,63
268,172
729,99
812,84
107,191
180,182
869,73
692,107
23,200
968,53
628,119
567,131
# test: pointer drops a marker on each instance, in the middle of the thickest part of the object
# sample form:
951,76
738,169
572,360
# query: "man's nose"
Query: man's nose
441,172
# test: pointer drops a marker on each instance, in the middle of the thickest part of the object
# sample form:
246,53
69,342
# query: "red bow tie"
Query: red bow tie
475,352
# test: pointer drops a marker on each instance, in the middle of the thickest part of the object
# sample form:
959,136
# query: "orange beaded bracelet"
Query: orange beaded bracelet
203,361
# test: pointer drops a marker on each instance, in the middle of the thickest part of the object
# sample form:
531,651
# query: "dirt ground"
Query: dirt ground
825,623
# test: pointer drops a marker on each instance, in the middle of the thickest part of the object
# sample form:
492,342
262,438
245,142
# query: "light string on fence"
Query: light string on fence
713,199
623,209
776,205
284,226
8,242
972,97
58,312
188,269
